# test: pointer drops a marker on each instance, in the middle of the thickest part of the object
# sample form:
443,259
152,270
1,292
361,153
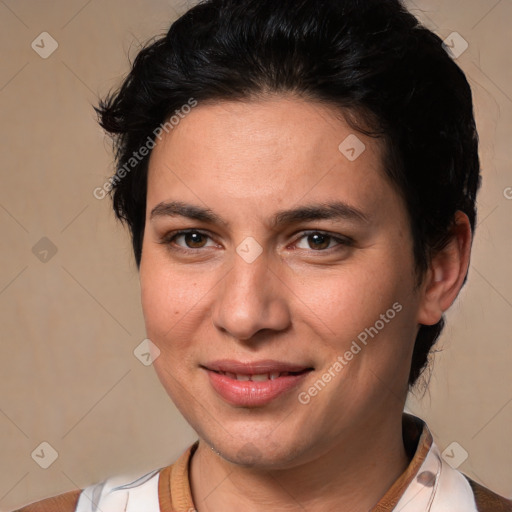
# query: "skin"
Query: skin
300,301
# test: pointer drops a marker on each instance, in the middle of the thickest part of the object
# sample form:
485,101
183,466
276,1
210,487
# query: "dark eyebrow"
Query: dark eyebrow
332,210
180,209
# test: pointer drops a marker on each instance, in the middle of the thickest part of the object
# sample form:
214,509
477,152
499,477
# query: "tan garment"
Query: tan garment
62,503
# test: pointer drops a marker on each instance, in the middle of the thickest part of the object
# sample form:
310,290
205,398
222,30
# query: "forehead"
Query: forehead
264,153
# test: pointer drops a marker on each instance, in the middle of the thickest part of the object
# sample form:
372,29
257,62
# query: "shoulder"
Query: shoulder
62,503
122,494
487,500
455,489
119,494
439,487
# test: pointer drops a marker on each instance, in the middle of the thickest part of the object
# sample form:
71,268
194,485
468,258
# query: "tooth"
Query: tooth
260,377
230,375
274,375
242,377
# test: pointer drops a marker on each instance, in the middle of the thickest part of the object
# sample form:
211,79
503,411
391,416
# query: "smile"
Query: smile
254,384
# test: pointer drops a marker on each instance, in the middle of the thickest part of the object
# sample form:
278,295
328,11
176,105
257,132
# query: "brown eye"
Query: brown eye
194,240
319,241
323,242
187,240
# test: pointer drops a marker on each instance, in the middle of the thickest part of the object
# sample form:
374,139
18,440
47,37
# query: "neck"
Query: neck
352,475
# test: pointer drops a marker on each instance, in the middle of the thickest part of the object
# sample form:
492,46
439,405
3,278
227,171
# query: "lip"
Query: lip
253,393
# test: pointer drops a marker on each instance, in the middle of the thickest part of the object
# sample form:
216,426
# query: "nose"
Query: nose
251,299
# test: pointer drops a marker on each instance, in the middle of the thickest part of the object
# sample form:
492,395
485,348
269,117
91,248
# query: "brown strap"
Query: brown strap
62,503
164,490
488,501
174,491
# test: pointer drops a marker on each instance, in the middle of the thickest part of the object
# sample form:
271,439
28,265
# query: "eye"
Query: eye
191,239
320,241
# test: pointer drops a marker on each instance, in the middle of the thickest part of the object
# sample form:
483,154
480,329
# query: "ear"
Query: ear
446,273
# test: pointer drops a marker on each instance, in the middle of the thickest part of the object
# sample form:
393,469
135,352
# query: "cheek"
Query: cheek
167,305
347,300
372,305
172,298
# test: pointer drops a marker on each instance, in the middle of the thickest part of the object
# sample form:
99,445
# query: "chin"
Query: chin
258,452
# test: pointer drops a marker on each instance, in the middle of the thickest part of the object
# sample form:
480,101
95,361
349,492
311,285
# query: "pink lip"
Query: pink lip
253,393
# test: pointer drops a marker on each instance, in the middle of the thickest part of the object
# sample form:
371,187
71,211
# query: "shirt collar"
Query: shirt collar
417,441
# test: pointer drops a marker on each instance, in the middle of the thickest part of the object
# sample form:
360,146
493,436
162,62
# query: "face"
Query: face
277,279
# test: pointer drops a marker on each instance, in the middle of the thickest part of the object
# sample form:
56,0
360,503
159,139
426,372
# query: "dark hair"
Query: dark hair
370,59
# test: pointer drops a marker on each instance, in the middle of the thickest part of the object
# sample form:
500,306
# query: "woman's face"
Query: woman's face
321,307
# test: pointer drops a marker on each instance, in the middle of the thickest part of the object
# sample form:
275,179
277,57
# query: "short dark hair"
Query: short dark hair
370,59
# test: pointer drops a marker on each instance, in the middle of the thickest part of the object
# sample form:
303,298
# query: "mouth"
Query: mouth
254,384
260,377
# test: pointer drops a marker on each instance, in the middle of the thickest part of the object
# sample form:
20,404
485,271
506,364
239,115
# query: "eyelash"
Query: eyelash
170,237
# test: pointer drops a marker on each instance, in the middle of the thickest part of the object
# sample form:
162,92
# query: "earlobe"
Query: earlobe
447,271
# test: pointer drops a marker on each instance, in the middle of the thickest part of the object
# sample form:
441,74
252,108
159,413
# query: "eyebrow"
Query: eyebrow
330,211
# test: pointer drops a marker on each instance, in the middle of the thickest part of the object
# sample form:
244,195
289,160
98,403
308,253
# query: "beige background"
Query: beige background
69,325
